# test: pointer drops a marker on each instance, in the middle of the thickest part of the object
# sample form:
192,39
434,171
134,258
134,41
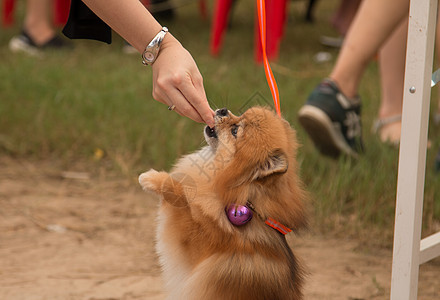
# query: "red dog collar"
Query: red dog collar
269,221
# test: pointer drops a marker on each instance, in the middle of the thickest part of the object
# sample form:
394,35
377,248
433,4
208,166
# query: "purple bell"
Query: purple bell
238,214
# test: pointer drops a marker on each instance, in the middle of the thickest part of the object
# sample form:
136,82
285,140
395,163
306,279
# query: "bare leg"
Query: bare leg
392,69
344,15
374,22
37,20
331,115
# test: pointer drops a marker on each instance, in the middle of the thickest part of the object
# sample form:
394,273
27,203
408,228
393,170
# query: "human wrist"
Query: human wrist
163,39
151,52
169,49
170,41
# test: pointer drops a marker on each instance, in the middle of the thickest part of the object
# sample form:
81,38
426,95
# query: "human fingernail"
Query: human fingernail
210,123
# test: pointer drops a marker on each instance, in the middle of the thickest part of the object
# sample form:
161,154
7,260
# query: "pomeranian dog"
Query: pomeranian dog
226,208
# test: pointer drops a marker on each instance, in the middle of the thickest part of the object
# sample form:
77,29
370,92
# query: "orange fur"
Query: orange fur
203,255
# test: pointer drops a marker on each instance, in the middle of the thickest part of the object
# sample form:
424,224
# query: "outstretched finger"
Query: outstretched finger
197,98
178,102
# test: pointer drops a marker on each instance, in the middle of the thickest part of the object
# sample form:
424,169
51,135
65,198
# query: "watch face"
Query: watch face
148,56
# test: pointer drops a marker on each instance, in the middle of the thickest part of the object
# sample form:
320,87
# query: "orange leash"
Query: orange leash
261,7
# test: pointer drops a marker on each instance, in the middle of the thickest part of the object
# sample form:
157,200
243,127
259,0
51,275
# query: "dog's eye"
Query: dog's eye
234,130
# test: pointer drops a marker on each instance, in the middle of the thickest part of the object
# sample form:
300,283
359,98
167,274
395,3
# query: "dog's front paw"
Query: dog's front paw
148,181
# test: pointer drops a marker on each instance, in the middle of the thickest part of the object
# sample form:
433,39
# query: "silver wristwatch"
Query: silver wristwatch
152,50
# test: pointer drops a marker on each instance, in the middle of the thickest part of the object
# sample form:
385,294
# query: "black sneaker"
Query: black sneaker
57,43
332,120
24,43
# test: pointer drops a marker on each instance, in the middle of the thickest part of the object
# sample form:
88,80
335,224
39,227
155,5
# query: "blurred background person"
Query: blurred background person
341,21
38,32
332,113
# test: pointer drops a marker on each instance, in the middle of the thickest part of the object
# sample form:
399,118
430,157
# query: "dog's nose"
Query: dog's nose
223,112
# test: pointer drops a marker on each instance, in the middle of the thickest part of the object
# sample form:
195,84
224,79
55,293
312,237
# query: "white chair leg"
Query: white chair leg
412,158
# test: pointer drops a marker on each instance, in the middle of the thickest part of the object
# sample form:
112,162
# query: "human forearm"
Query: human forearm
130,19
177,82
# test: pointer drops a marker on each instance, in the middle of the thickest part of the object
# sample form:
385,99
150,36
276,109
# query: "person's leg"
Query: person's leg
374,22
344,15
38,33
341,21
37,22
331,115
392,72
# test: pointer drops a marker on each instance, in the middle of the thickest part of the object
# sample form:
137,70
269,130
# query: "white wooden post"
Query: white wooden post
412,157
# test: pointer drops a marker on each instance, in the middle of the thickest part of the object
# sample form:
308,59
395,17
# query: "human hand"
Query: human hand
177,81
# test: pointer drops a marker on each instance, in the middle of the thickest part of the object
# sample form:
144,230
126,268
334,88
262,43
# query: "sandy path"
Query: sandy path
93,239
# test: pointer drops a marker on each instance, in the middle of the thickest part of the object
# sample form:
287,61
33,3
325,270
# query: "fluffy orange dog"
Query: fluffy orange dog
225,209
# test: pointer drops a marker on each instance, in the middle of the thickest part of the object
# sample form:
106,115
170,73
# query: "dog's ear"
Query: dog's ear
275,163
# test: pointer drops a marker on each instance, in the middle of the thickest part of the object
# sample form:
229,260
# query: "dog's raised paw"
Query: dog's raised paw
146,180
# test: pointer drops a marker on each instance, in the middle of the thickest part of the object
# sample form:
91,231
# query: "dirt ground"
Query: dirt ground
66,236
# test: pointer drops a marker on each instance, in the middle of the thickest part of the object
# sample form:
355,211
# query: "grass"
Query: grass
72,106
